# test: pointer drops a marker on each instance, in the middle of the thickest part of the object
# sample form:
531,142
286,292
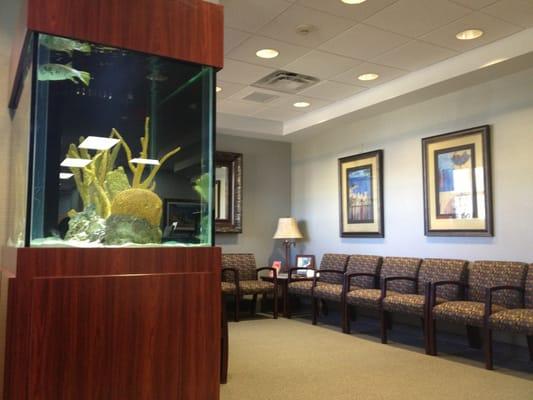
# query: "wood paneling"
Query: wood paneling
114,324
189,30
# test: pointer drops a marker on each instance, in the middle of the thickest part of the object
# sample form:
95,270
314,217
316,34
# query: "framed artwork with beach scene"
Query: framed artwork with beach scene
361,195
457,183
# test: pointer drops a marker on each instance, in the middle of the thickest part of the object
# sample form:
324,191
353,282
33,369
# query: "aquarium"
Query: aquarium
121,148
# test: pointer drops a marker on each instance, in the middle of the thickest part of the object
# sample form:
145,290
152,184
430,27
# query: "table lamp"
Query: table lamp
288,231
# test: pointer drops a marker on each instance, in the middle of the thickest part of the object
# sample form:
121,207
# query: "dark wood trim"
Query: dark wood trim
378,154
487,170
188,30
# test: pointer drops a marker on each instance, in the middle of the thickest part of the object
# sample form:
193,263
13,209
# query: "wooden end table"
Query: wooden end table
283,283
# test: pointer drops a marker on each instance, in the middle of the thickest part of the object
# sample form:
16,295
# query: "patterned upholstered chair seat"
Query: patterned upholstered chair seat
464,312
302,288
228,288
518,320
328,291
366,297
407,303
255,286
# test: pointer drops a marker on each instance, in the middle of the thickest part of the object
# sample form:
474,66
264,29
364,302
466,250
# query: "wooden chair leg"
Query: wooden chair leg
384,316
487,342
432,325
253,306
473,334
346,312
275,304
236,310
324,307
315,310
530,346
287,305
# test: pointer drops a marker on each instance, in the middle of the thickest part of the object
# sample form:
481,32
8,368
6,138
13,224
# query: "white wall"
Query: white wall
506,104
266,196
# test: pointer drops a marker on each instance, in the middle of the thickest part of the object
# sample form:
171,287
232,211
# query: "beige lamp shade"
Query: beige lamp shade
287,229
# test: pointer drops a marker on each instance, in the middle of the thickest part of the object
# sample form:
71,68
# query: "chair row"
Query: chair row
481,295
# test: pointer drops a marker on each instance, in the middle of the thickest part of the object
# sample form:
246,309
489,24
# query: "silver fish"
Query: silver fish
64,45
59,72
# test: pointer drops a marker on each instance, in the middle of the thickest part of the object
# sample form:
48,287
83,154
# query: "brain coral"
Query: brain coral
141,203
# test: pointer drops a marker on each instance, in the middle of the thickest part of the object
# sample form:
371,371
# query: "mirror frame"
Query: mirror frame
233,161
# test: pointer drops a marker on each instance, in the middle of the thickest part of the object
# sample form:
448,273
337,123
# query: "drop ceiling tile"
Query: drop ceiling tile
287,52
516,11
250,15
240,72
363,42
323,26
233,38
385,74
278,113
333,91
357,12
228,89
315,104
227,106
474,4
414,55
494,29
321,65
417,17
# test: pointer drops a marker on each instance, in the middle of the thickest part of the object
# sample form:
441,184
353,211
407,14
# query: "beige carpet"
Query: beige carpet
291,359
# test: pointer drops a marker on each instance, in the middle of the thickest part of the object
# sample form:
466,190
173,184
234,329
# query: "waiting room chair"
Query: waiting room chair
240,277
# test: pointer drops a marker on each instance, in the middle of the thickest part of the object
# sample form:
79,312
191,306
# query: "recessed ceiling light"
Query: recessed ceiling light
353,1
147,161
301,104
219,89
370,76
469,34
65,175
267,53
75,162
98,143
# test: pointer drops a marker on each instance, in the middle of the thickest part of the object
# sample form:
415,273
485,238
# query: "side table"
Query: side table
283,282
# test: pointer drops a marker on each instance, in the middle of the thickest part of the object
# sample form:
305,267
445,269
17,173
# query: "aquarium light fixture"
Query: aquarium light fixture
147,161
75,162
65,175
98,143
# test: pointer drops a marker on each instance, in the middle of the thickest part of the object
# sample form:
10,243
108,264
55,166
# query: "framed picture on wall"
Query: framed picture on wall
181,218
305,262
457,183
361,195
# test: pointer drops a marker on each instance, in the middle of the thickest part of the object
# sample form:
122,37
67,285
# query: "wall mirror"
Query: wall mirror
228,192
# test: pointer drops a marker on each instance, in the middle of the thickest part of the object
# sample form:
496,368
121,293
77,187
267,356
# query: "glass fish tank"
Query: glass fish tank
121,148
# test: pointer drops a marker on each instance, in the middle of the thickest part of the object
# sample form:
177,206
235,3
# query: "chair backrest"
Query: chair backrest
485,274
529,287
336,262
363,263
400,266
441,269
243,262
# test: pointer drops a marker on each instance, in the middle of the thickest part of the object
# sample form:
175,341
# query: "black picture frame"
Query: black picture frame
457,179
186,214
361,213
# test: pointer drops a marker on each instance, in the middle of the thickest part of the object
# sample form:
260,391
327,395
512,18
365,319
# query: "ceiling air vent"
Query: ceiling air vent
286,82
260,97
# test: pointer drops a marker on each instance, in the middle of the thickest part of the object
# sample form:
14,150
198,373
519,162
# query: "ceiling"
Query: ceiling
401,40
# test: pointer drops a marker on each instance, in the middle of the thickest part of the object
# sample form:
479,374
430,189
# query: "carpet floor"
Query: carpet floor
293,360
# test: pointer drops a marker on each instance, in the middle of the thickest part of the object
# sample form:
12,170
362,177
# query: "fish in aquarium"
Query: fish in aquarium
64,45
60,72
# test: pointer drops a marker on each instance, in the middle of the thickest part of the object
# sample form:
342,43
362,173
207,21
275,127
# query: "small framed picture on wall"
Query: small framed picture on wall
305,262
457,183
361,195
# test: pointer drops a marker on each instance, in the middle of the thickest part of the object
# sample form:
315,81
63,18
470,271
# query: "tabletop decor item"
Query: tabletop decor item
457,183
361,195
306,262
289,232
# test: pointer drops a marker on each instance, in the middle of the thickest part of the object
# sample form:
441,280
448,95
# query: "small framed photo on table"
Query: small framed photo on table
457,183
306,261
